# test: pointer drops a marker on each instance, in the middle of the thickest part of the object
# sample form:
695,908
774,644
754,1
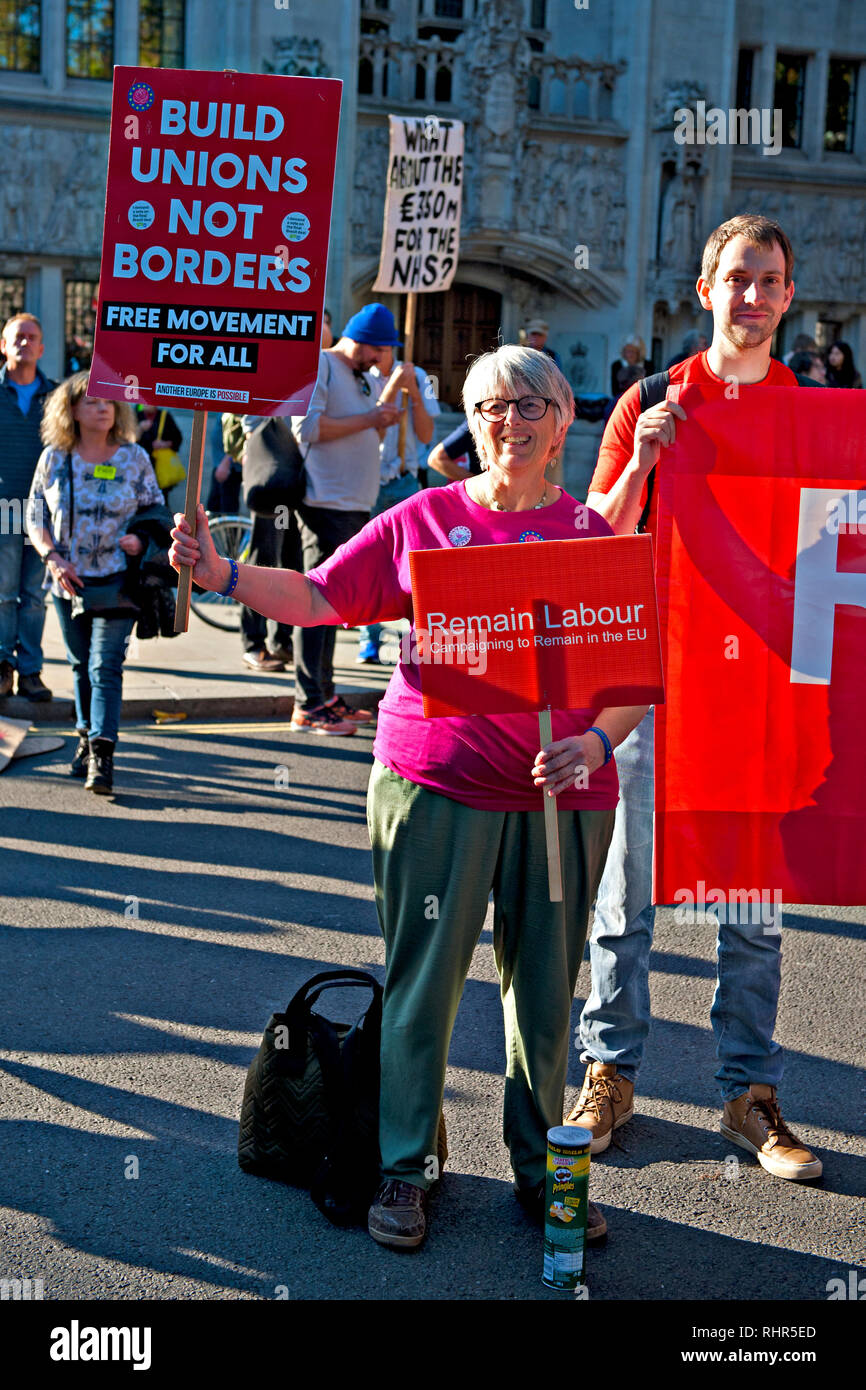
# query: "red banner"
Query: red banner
504,629
761,749
215,246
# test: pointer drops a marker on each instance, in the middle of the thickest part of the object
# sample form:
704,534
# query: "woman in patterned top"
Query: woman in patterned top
90,482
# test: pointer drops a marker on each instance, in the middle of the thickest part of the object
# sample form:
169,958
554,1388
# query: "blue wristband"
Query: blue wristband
233,584
608,749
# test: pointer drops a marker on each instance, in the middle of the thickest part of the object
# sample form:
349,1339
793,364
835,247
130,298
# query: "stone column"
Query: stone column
126,32
378,68
764,76
860,115
54,46
815,104
51,313
594,83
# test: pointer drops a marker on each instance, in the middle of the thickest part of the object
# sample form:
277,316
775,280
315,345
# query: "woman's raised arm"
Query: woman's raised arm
282,594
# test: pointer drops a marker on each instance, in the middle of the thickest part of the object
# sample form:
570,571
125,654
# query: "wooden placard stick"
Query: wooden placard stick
551,824
193,492
408,353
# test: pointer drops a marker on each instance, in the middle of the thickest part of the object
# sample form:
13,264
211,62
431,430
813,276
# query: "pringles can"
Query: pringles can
566,1196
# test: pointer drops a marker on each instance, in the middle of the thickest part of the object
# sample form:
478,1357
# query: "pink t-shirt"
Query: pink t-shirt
483,761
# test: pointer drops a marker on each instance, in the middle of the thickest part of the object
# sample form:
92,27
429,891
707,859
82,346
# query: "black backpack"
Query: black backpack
310,1112
653,390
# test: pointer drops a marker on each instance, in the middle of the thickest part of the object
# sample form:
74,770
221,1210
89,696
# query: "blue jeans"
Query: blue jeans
615,1020
22,604
397,490
96,648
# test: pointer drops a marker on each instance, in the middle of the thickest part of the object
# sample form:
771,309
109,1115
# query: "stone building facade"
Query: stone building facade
581,203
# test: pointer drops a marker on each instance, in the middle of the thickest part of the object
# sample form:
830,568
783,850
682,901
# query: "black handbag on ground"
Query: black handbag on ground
310,1112
273,468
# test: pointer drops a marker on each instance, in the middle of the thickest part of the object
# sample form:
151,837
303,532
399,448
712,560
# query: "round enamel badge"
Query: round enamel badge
141,96
460,535
530,536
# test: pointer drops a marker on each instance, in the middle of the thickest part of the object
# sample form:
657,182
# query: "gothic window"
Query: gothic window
89,38
745,69
80,317
581,100
841,96
365,78
448,9
788,96
19,35
11,297
557,97
420,82
160,33
442,90
538,14
533,92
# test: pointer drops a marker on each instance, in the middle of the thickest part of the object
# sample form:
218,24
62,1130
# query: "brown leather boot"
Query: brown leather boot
605,1102
754,1121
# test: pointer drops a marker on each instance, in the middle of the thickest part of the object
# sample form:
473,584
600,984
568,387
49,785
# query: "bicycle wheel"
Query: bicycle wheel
231,536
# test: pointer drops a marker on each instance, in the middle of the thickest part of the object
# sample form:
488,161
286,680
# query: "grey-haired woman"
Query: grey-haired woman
454,804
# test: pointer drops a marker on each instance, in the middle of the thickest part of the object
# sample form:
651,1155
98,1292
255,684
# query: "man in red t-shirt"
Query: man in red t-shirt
746,282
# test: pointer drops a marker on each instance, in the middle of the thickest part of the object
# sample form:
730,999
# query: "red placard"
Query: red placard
215,246
510,628
761,748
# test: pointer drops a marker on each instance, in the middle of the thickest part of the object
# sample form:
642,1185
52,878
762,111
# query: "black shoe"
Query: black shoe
398,1216
7,674
100,767
79,765
32,688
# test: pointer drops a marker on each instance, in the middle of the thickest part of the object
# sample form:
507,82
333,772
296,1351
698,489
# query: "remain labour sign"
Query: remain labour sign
215,246
504,629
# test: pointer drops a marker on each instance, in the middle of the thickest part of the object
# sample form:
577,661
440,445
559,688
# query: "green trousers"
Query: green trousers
434,864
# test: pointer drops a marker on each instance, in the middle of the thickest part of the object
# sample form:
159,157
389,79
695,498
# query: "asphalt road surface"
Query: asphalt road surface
146,940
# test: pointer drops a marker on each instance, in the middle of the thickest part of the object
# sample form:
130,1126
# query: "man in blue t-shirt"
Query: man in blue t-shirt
23,391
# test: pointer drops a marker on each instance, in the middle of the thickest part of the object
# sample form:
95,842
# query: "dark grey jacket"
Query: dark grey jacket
20,444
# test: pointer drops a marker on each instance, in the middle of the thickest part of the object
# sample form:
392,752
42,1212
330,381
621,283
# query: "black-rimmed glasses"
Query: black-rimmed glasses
530,407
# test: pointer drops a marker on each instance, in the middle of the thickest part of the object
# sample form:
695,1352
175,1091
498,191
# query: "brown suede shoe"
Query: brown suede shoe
754,1121
605,1102
398,1216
